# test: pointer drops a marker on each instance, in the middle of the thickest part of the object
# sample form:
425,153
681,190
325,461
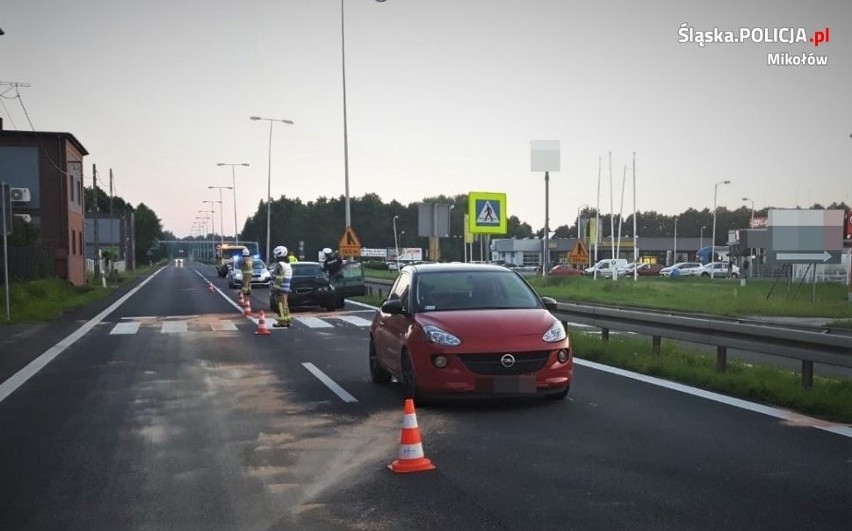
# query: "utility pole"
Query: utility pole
95,217
111,235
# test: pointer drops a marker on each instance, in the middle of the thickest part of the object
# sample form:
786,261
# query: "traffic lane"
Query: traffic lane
175,291
218,429
623,451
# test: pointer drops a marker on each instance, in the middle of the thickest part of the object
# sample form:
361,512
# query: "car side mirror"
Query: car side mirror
549,303
393,307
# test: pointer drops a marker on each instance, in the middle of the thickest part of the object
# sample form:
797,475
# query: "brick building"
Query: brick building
47,170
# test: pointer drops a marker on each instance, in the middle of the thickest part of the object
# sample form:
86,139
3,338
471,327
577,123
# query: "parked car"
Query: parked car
718,269
683,269
644,270
310,286
260,275
564,270
605,267
462,329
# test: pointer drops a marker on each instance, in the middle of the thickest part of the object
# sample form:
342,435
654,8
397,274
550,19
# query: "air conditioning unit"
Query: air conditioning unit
20,195
25,217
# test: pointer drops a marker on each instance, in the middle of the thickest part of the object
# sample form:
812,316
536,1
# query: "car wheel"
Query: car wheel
561,394
332,307
735,275
705,274
341,302
377,372
409,381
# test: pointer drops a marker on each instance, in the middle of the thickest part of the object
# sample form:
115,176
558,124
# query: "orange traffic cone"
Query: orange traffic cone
411,458
261,326
247,311
210,286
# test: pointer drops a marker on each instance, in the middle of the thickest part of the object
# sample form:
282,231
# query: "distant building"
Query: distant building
46,169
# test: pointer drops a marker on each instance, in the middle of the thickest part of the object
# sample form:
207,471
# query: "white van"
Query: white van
604,268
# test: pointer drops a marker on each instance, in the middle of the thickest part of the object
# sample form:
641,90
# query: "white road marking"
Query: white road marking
173,327
355,320
20,378
791,416
313,322
328,382
125,328
224,325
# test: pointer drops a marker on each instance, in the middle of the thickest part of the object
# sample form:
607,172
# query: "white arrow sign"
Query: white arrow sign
824,256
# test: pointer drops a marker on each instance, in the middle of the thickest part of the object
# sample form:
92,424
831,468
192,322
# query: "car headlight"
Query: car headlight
238,275
440,337
555,333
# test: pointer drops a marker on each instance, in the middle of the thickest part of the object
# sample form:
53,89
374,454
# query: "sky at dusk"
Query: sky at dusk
443,97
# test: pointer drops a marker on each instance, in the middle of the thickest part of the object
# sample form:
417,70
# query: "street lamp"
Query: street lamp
269,177
234,184
713,243
212,224
222,209
396,241
213,213
345,130
751,249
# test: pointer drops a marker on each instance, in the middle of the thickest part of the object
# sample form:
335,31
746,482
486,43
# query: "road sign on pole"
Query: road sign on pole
817,257
349,245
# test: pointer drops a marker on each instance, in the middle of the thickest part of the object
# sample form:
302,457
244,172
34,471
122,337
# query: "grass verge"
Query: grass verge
47,299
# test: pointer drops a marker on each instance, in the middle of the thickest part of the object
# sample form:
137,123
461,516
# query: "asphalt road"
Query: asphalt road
171,413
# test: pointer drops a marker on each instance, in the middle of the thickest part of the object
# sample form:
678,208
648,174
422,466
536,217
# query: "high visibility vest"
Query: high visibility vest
283,274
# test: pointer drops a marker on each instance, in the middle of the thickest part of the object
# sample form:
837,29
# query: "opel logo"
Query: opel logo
507,360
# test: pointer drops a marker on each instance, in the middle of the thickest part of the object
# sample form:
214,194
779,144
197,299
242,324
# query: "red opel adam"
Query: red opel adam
448,330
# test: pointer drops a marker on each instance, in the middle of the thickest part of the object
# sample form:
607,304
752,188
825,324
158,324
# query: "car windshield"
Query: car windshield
258,265
470,290
307,270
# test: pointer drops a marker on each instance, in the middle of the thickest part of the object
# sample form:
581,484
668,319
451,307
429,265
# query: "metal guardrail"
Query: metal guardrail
767,338
808,344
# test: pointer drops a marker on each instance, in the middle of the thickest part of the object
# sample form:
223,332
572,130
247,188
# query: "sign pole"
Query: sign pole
4,188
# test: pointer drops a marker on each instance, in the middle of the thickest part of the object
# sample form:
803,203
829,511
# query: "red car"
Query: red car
447,330
564,270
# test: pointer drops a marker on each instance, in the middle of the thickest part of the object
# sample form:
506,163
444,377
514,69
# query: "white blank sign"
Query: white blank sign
544,155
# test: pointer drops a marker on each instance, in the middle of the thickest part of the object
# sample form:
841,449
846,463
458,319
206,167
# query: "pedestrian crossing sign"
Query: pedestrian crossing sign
487,213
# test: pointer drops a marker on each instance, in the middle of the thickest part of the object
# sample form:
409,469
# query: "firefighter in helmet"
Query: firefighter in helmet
246,268
281,286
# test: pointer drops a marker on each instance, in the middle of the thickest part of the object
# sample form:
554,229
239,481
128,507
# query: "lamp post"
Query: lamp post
203,219
269,178
234,188
221,223
396,241
210,217
751,249
345,129
713,243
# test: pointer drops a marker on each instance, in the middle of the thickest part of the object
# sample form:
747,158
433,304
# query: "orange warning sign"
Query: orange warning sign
349,244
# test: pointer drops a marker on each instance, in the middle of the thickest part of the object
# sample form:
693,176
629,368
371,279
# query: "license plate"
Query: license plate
506,384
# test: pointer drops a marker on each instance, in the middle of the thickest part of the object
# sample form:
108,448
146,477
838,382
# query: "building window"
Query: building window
531,259
80,240
73,242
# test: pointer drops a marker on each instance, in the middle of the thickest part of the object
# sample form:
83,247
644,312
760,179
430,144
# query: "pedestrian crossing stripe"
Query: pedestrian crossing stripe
125,328
355,320
167,326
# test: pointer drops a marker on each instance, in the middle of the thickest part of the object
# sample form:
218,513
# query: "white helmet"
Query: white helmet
245,252
326,251
279,252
